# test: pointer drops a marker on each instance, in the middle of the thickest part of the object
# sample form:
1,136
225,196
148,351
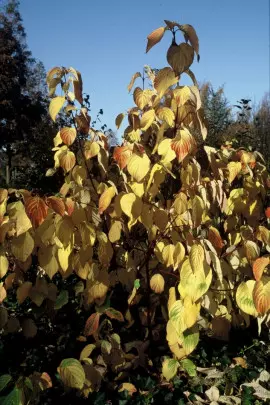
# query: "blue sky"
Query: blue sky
106,40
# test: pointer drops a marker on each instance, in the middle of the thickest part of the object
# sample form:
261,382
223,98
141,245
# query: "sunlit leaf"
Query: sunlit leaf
68,135
165,79
122,154
56,105
258,267
157,283
134,77
261,295
244,297
105,199
183,144
154,37
119,119
36,209
138,166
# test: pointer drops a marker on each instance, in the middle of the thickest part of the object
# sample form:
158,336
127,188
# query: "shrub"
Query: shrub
150,242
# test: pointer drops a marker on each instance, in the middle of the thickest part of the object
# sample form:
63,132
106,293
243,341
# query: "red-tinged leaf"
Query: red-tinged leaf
261,295
154,37
36,209
114,314
183,144
56,204
46,381
68,135
122,154
69,203
215,238
259,266
67,160
105,199
92,324
267,212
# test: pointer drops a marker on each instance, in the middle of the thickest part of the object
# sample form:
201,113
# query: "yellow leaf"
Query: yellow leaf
157,283
91,149
165,79
67,160
16,212
197,210
119,119
55,106
147,119
244,297
181,95
23,246
115,231
132,206
134,77
47,260
234,169
105,199
154,37
138,166
3,265
141,97
63,256
127,387
168,255
169,368
137,188
194,285
179,254
196,257
167,115
165,150
172,297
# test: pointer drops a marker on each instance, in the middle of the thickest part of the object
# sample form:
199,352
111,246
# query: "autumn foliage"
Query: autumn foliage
156,237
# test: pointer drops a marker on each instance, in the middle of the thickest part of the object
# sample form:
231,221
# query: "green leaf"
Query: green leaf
189,367
61,300
13,398
4,381
137,284
72,373
169,368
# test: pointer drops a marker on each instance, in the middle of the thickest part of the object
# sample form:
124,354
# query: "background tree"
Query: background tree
217,112
25,129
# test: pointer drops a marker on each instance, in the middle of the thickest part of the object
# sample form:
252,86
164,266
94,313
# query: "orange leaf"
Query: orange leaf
69,203
56,204
267,212
154,37
36,209
183,144
259,266
105,199
122,154
215,238
92,324
68,135
261,296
